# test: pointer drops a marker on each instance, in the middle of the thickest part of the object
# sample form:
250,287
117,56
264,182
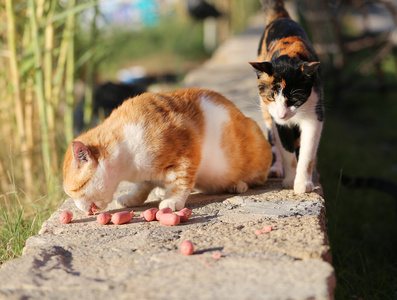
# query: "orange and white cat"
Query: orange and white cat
189,138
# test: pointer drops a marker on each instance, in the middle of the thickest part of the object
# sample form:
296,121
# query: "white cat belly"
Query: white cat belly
213,166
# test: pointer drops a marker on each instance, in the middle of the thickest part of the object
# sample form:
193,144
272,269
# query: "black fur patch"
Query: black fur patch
261,43
298,87
320,111
288,135
319,106
282,28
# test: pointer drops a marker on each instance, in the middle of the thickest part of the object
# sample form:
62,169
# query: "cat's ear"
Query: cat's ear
80,152
262,67
309,68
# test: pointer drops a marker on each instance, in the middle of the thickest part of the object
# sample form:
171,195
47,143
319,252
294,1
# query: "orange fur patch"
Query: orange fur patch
292,46
310,167
283,83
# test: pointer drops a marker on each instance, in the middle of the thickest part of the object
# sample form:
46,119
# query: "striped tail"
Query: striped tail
274,9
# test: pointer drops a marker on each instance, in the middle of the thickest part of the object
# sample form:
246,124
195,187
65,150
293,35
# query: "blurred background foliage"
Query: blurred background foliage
357,158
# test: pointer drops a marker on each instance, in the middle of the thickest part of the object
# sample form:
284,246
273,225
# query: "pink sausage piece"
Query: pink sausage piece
150,214
170,219
66,216
187,248
121,217
258,232
267,228
162,211
184,214
104,218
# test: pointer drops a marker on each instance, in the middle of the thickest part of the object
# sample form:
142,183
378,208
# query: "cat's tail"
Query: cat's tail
274,9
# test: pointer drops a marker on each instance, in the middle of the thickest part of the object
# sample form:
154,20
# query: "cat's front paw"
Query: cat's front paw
172,203
288,183
128,200
157,194
303,187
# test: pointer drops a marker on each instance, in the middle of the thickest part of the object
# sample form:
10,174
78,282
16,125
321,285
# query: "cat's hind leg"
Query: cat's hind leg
276,169
137,196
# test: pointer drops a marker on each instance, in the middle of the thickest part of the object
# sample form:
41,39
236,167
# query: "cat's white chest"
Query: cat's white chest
131,159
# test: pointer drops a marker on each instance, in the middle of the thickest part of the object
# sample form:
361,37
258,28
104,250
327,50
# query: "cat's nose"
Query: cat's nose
281,114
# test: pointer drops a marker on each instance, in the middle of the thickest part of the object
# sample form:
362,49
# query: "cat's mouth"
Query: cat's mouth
92,210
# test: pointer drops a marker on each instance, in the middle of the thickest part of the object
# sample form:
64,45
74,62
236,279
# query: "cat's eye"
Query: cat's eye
269,96
265,93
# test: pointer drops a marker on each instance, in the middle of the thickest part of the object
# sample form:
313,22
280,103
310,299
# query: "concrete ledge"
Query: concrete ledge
141,260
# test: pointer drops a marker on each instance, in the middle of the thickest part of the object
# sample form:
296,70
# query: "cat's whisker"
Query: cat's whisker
252,100
256,103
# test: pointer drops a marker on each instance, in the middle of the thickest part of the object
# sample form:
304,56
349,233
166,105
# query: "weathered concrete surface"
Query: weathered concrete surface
141,260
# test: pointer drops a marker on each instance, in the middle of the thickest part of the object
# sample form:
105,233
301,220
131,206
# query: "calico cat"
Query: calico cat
190,138
291,96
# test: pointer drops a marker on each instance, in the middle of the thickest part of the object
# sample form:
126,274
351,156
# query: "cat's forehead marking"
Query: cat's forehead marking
277,82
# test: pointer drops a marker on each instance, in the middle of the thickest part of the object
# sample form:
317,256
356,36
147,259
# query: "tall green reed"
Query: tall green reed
39,57
37,75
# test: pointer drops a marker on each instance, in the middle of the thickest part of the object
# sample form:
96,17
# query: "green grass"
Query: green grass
22,217
15,229
360,139
19,221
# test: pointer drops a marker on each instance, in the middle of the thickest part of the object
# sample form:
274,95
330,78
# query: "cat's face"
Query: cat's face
284,87
84,179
